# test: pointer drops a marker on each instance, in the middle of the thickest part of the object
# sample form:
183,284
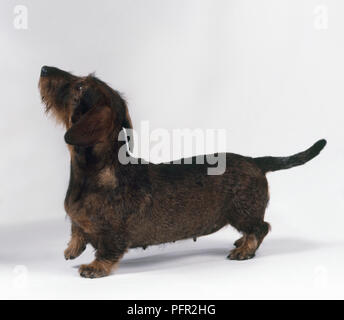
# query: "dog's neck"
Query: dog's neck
90,167
94,158
99,166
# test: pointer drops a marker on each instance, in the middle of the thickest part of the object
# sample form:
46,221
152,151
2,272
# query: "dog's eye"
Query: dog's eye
79,87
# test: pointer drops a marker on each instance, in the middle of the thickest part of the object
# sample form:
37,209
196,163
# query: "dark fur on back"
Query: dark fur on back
116,207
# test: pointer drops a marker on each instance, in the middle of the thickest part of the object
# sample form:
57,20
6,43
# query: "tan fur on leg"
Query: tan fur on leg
246,250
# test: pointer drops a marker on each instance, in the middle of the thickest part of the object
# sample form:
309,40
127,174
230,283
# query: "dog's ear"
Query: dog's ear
93,127
127,124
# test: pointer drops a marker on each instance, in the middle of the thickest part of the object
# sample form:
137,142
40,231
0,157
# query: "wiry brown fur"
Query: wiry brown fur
115,207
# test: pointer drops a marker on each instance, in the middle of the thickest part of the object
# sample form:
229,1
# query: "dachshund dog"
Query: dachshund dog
115,206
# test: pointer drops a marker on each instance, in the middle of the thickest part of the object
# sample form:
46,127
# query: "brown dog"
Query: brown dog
116,207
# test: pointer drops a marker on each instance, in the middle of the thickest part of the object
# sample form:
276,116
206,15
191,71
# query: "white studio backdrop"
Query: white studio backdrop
269,72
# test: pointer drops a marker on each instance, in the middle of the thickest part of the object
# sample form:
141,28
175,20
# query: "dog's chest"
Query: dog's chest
89,200
89,212
93,211
81,215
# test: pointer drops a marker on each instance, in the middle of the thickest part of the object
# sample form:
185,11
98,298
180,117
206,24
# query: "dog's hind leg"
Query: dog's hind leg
245,210
249,243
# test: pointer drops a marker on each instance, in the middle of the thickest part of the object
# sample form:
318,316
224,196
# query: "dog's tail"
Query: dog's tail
268,164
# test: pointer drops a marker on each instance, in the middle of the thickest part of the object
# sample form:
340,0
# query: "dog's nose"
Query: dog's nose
44,71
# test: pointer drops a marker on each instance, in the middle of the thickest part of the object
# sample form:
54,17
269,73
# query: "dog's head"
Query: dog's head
90,110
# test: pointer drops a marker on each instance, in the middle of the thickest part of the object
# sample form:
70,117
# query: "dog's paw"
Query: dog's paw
240,254
96,269
73,252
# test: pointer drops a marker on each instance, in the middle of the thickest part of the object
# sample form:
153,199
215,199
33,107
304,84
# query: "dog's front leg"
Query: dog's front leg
77,243
110,249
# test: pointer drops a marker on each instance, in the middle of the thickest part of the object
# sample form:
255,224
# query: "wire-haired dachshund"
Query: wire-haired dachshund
115,206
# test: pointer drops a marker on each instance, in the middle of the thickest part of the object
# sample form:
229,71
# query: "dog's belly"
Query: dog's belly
164,225
149,236
188,206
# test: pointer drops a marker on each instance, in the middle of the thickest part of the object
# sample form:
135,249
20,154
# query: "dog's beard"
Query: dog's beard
57,112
